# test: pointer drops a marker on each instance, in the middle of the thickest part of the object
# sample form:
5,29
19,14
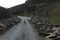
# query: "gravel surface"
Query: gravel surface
22,31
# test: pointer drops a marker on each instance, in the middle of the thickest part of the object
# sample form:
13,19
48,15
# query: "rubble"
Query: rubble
55,35
46,28
8,23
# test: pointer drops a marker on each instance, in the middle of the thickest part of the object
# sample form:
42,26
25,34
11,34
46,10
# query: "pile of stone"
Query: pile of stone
8,23
46,28
55,35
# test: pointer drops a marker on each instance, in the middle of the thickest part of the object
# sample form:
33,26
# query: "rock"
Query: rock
54,35
6,24
2,26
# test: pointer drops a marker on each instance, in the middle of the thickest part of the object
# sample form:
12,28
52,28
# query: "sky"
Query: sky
11,3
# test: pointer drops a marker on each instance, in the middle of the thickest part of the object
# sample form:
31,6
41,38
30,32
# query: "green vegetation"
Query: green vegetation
54,19
54,16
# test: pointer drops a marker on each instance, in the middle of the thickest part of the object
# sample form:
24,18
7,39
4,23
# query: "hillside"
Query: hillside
31,6
4,13
54,15
50,8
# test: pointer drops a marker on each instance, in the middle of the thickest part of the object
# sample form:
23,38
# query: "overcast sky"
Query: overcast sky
10,3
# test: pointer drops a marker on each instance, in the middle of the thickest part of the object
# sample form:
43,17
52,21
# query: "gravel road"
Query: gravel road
22,31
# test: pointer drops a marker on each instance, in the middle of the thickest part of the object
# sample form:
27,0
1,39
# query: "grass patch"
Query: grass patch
54,15
54,19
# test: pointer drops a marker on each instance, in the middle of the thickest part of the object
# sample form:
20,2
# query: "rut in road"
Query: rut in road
29,33
20,32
